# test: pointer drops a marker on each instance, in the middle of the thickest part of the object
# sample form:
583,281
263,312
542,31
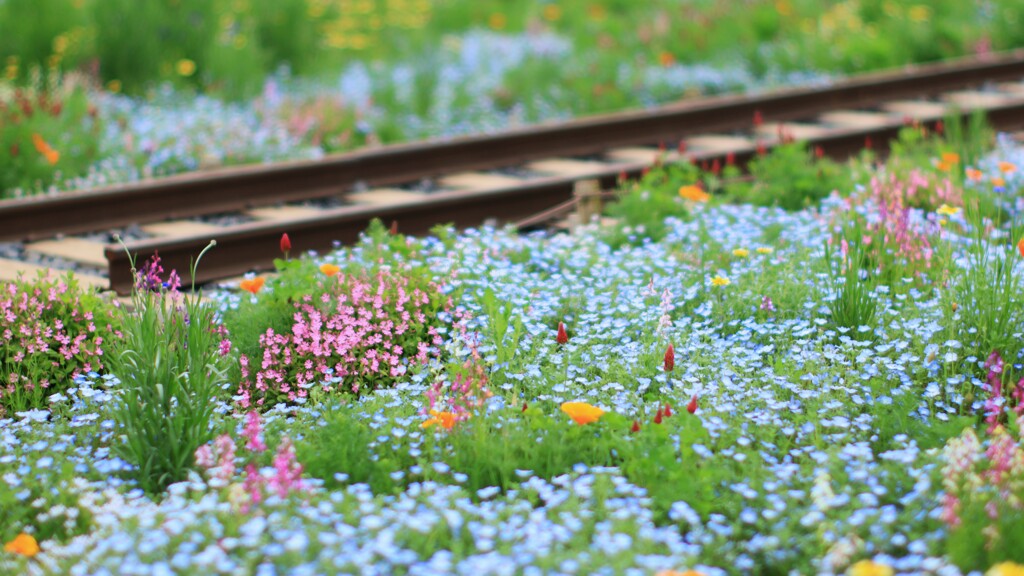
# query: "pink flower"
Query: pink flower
253,432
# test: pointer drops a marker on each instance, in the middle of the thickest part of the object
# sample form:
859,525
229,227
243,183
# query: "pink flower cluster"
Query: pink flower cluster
893,229
358,335
994,384
50,333
220,459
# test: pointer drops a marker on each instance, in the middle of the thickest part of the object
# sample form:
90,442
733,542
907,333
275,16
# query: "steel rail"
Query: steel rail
252,246
232,189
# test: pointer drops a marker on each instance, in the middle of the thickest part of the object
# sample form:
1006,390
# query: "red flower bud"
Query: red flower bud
819,152
668,410
670,358
716,166
394,228
562,337
692,406
730,159
867,142
525,406
940,127
761,149
286,244
758,118
636,426
622,176
658,417
682,147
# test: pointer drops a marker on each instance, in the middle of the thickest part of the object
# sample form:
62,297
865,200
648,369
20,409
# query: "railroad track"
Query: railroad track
465,181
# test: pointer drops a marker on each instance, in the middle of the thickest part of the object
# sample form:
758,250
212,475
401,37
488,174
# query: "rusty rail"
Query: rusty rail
252,246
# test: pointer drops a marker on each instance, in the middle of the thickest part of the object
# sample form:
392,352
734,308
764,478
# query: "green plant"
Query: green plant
171,372
790,176
987,293
47,134
852,303
641,206
500,320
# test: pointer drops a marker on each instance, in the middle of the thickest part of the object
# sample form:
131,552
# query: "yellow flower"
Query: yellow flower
185,67
114,86
693,193
943,221
498,21
23,544
869,568
919,13
947,210
445,419
581,412
552,12
720,281
1007,167
765,250
329,269
741,252
1006,569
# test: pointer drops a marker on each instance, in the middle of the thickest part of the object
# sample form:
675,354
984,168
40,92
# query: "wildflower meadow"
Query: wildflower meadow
755,379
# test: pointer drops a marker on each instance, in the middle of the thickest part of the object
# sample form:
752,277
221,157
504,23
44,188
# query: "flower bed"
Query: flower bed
828,389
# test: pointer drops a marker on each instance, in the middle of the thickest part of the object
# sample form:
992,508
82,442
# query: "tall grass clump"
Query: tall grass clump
852,302
987,291
171,363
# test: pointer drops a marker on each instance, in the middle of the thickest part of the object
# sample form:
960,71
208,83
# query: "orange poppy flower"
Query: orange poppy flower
950,157
445,419
253,285
973,174
51,155
1007,167
1020,246
666,59
582,413
23,544
693,193
998,182
329,269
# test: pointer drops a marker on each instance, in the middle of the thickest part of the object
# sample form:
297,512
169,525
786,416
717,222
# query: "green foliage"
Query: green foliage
171,372
46,134
790,177
52,331
990,309
641,206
